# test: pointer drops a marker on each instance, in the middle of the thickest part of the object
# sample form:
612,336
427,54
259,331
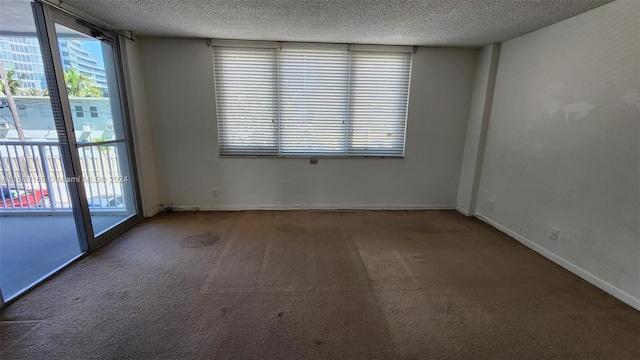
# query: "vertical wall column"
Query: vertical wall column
479,113
140,124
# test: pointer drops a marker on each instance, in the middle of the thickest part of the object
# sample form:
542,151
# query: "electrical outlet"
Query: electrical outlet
313,161
214,192
554,234
491,204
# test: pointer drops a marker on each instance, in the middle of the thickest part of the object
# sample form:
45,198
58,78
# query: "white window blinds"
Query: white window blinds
247,102
313,99
293,99
378,99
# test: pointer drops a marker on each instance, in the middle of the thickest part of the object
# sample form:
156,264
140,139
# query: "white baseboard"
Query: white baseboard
593,279
151,212
313,207
465,212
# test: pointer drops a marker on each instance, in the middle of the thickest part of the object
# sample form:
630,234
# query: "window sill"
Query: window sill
307,156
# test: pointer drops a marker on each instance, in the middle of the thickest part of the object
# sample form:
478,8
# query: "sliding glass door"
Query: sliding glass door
67,176
39,218
92,82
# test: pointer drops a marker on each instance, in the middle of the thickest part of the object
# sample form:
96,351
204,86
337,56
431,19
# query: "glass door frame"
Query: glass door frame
52,17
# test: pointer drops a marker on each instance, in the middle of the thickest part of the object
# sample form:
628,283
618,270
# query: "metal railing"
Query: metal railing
32,176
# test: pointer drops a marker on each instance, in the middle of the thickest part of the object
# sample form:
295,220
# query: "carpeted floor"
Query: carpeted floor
317,284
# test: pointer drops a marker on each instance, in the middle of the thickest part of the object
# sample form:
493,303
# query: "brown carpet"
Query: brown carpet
317,284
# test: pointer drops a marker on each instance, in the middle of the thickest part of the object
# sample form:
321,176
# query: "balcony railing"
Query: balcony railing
32,177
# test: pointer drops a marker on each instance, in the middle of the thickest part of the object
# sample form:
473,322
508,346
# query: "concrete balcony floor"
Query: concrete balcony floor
31,247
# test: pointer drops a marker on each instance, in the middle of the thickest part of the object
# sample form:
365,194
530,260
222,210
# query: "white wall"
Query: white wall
563,145
141,127
179,74
479,112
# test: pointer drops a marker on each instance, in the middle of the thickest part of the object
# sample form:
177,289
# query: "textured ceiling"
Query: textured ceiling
468,23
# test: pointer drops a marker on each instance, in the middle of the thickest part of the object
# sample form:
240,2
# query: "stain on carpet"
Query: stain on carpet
200,240
419,258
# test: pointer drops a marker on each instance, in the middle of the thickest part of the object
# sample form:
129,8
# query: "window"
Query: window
379,92
313,88
79,111
94,111
247,106
288,99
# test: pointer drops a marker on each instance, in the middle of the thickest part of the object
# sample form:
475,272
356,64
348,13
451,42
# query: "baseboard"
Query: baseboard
593,279
465,212
151,212
313,207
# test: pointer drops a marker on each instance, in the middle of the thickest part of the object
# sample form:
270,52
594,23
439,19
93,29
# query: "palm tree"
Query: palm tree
34,92
80,85
8,89
15,82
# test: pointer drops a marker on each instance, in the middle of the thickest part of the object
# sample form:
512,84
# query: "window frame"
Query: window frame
347,152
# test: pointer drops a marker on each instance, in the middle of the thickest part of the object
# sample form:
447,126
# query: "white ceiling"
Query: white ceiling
467,23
